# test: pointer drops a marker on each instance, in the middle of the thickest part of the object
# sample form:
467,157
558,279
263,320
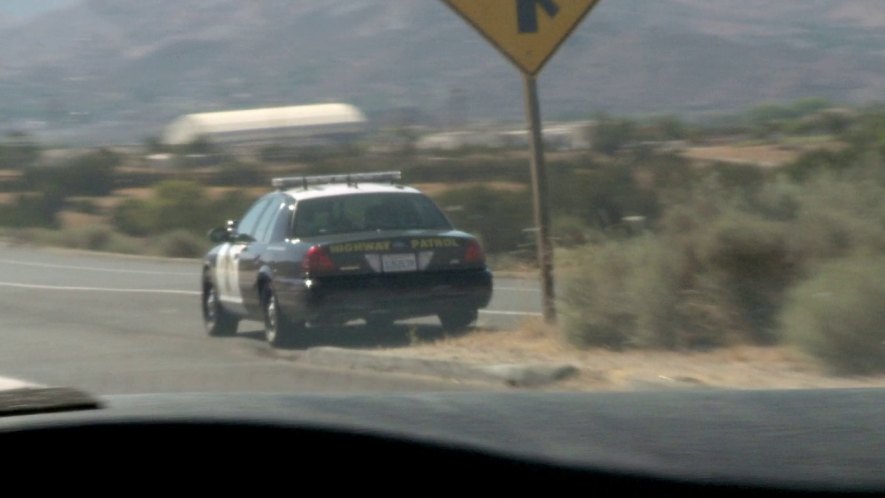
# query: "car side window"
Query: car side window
281,227
250,220
264,232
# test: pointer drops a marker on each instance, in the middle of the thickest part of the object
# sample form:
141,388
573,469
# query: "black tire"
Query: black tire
279,330
457,320
218,322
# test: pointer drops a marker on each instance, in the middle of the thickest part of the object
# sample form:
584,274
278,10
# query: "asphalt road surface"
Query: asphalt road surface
119,325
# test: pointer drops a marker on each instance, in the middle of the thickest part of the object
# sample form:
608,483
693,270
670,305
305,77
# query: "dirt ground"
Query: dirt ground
742,367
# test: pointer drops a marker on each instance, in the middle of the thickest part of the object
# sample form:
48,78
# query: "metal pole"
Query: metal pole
539,194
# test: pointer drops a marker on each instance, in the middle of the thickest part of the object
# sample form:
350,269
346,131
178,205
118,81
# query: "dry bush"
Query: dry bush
838,315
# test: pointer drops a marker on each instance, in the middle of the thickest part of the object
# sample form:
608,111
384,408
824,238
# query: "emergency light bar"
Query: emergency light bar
350,179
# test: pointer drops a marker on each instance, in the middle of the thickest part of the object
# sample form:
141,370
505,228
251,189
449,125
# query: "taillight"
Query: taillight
317,260
474,254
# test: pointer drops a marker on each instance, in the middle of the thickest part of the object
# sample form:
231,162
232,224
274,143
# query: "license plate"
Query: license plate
392,263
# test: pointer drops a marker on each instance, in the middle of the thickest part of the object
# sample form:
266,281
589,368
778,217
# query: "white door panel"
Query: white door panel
227,275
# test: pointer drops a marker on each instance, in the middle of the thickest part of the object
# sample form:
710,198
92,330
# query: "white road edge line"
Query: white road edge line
92,268
510,313
98,289
518,289
186,293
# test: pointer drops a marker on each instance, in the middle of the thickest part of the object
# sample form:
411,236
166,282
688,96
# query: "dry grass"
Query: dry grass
761,155
737,367
71,219
532,342
437,188
135,193
218,192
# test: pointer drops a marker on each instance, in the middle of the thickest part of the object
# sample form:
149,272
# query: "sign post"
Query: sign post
528,33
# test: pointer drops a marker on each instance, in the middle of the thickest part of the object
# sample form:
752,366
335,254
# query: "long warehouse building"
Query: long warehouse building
321,123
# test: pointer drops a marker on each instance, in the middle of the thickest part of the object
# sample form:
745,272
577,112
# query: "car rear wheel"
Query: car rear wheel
218,321
278,329
457,320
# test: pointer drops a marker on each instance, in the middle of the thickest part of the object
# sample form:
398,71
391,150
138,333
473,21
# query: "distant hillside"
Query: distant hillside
119,69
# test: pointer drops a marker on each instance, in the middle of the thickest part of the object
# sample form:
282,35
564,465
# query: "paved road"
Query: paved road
113,324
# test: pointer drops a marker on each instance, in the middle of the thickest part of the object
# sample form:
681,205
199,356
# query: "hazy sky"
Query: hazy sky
23,9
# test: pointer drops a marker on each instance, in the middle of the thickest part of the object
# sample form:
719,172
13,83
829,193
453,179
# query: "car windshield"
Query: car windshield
557,195
367,212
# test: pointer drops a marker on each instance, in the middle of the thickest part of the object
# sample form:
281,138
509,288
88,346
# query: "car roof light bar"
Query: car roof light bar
350,179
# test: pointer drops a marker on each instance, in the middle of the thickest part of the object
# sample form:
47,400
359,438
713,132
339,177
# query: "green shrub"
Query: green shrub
813,163
88,174
178,205
734,177
230,206
839,315
834,218
37,210
750,257
637,293
135,217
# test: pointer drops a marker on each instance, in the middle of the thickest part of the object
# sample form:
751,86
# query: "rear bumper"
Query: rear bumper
394,296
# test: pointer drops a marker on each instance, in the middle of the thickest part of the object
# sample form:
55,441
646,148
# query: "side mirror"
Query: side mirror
242,237
219,235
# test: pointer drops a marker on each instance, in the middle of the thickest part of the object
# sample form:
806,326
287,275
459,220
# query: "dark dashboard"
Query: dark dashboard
725,443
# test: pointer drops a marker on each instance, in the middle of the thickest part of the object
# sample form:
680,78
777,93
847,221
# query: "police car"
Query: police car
325,250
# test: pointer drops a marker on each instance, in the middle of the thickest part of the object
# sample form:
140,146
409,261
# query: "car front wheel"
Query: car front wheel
218,321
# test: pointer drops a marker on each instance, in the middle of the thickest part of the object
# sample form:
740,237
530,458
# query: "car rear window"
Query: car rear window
367,212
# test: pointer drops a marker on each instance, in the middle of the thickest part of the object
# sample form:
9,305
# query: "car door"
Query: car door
227,267
252,257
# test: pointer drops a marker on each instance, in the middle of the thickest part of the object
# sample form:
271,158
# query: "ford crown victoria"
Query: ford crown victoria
325,250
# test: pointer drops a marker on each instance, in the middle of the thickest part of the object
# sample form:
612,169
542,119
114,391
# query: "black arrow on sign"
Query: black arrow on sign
527,13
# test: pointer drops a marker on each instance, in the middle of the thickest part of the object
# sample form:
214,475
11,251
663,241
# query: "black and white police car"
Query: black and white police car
325,250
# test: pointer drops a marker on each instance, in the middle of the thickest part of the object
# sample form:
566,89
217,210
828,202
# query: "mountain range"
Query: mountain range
118,70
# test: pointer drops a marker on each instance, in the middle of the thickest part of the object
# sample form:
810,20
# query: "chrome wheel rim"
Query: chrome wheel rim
270,325
210,307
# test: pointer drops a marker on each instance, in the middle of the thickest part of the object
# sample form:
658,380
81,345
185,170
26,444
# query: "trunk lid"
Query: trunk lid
399,252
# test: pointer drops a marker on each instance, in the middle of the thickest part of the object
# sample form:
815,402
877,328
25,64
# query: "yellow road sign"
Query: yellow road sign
528,32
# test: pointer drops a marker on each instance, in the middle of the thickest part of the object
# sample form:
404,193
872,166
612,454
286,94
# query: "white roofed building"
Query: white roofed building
309,124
